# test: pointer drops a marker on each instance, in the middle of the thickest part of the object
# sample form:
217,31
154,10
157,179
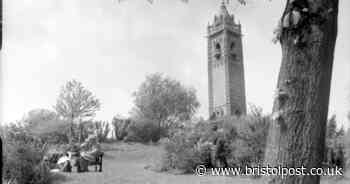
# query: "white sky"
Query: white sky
110,47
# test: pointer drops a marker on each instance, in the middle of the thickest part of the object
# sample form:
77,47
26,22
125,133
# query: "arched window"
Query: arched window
217,52
238,113
232,46
217,46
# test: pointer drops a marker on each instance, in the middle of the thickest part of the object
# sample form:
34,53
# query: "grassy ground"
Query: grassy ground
125,164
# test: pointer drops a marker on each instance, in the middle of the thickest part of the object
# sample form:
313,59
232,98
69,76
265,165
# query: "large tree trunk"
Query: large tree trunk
297,135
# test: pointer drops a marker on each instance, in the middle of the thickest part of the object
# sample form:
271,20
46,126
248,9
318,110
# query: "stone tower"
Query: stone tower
225,66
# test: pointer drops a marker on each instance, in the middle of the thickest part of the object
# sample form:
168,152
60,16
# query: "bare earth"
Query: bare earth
125,164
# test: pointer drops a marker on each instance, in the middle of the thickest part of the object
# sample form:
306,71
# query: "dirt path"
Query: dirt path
125,164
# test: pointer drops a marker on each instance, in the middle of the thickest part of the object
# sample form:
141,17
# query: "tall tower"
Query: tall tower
225,66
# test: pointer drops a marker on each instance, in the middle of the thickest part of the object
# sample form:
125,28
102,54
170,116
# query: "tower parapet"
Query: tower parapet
223,20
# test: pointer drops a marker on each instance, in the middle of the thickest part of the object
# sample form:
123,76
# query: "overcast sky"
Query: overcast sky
110,47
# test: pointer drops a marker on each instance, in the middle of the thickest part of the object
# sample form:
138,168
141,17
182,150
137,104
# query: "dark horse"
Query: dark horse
82,162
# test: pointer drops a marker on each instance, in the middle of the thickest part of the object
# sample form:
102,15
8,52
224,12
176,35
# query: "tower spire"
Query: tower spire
223,9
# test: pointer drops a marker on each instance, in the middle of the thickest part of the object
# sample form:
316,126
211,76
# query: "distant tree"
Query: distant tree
164,101
335,141
76,103
46,125
331,127
36,117
121,127
341,132
347,147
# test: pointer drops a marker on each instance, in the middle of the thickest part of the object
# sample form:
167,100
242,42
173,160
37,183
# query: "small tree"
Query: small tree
331,128
76,103
165,101
38,118
46,125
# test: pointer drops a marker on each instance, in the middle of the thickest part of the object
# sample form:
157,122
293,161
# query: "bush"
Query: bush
249,147
137,130
23,155
142,131
336,145
181,153
231,142
101,128
347,148
188,148
121,127
46,125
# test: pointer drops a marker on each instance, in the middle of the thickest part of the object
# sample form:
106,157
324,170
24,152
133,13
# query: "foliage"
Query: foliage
331,128
142,130
334,137
347,148
250,146
137,130
23,154
238,141
164,101
336,144
182,153
46,125
100,128
76,103
121,127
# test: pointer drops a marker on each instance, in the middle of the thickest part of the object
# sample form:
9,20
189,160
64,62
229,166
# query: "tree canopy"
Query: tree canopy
164,100
75,101
42,121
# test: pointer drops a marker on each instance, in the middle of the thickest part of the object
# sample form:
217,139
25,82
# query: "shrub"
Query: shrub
249,148
46,125
181,153
86,128
336,145
143,131
347,148
101,128
23,155
121,127
234,142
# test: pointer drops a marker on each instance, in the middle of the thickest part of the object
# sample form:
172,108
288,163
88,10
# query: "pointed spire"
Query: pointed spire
223,9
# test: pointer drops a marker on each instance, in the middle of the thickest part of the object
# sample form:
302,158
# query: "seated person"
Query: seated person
90,148
64,163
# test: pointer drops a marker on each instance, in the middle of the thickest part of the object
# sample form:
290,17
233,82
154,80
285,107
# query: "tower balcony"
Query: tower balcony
213,29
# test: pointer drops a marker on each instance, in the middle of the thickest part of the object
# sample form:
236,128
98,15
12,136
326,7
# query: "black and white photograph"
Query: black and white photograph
175,91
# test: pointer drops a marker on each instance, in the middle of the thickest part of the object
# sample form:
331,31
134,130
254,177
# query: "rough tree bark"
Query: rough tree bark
307,33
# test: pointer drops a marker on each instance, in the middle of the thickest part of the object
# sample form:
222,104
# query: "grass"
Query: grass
126,163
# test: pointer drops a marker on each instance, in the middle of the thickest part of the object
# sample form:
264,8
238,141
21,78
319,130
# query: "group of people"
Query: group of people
81,156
